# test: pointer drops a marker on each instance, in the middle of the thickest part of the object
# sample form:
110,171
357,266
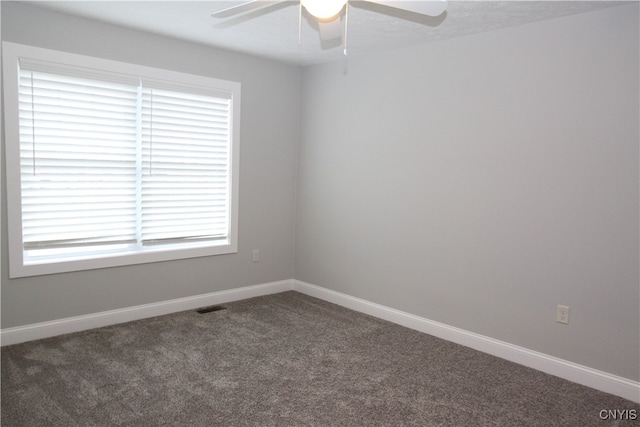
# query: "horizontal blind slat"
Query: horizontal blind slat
64,72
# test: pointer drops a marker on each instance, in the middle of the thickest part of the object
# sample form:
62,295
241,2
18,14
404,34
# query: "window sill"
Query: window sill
43,265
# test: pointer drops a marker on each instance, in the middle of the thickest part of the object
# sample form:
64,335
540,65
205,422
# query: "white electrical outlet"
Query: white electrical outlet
562,314
256,255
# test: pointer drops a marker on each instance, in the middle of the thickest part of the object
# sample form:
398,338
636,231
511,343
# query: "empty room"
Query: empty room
268,213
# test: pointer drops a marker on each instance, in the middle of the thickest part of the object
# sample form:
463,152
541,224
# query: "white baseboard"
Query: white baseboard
589,377
593,378
68,325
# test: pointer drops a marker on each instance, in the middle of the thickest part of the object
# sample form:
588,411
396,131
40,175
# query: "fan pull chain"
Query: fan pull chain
300,22
346,27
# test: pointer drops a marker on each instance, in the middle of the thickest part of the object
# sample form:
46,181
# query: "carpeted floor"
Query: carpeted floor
285,359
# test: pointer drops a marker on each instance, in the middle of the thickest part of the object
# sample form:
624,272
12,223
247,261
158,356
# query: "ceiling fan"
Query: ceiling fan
327,13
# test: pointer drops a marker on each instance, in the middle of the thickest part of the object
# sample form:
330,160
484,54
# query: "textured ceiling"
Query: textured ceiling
272,31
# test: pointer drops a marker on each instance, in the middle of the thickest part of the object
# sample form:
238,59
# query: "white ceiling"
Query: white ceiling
273,30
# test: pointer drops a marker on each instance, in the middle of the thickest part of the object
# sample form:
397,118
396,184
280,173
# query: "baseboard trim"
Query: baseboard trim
580,374
68,325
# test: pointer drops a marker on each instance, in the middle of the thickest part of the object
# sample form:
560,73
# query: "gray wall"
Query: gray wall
482,181
269,134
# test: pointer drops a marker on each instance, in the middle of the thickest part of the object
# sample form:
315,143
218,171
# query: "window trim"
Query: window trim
12,52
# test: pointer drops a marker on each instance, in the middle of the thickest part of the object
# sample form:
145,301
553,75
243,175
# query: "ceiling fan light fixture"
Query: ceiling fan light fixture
324,9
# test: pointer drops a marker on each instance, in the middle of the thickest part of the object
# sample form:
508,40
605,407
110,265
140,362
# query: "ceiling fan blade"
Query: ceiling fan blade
423,7
242,8
264,9
330,30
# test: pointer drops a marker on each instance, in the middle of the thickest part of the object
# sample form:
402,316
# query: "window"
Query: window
113,164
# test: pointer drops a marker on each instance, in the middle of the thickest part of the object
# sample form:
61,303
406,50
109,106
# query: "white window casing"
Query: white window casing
114,164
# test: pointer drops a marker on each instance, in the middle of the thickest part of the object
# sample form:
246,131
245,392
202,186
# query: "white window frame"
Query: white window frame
18,266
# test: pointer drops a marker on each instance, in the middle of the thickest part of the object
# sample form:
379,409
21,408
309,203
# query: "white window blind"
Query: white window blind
114,164
77,161
185,166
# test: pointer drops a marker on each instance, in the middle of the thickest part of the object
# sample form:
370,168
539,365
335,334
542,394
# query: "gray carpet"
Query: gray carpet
285,359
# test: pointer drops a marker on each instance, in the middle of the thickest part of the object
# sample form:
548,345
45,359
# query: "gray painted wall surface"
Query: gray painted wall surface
482,181
269,134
